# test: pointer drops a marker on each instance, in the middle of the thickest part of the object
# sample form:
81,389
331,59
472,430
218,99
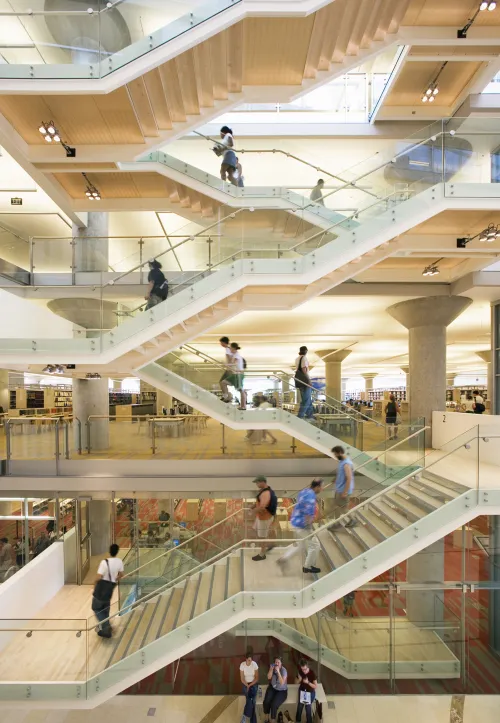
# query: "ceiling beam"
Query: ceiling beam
394,75
443,36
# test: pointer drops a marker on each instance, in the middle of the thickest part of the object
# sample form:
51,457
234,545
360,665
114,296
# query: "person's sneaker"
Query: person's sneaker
351,523
258,558
287,716
102,634
280,717
311,569
315,570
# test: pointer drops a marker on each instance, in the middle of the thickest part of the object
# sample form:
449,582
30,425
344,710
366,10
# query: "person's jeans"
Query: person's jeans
273,699
306,407
307,706
101,611
250,703
153,300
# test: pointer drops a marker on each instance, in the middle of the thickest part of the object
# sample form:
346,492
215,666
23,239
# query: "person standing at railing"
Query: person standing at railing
303,384
158,285
225,149
317,193
302,521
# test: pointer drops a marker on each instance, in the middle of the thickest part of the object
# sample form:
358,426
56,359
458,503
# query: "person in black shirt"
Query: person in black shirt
158,285
307,690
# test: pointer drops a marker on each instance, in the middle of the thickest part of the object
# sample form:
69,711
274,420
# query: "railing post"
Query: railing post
66,438
57,448
88,435
153,436
223,448
7,446
141,272
32,267
73,261
294,446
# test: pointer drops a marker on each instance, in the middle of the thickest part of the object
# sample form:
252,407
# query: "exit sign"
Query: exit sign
16,201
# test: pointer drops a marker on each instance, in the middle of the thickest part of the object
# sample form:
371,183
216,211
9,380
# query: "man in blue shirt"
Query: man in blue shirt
302,520
344,484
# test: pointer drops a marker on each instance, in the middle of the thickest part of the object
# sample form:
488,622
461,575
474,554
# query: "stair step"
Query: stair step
188,600
404,506
234,579
167,623
142,626
388,514
328,638
433,489
348,544
157,620
311,627
201,604
378,527
219,584
331,550
418,498
447,484
122,642
363,536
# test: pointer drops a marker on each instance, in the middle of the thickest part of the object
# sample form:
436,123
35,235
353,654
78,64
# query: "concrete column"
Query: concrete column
100,526
90,397
4,389
406,371
427,566
369,377
426,320
333,371
92,254
486,357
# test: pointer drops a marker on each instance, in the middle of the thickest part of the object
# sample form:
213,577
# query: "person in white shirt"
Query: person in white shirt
225,149
236,376
317,193
249,675
257,436
109,573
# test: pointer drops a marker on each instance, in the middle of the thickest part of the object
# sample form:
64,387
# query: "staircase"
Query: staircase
359,648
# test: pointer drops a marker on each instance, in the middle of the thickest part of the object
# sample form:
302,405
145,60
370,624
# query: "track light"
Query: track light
92,375
92,193
490,234
484,5
53,369
51,134
432,269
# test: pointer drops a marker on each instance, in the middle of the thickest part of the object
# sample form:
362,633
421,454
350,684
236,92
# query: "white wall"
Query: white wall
451,429
26,592
22,319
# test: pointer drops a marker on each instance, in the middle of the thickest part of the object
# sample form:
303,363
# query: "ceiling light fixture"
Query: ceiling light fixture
487,235
53,369
430,93
91,191
432,269
485,5
51,135
92,375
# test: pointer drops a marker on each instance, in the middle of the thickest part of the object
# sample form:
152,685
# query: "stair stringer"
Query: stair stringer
297,603
352,670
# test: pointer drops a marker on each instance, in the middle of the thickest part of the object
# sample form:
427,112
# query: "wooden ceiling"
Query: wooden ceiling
255,51
458,222
455,50
415,77
446,13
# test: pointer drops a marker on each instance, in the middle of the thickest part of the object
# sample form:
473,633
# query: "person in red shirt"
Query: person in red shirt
307,690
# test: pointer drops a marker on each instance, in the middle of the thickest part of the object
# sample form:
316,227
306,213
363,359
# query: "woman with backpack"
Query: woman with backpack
236,375
266,505
391,416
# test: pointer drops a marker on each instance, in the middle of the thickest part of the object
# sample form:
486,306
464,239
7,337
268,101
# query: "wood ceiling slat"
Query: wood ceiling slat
336,11
399,14
372,26
173,94
218,56
187,80
72,183
203,72
150,185
183,195
78,119
115,185
275,50
156,93
345,30
445,13
235,53
140,99
385,19
119,116
361,23
25,113
316,42
415,76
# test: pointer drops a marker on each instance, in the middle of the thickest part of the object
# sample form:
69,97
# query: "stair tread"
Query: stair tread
234,585
435,486
445,483
142,626
166,625
348,541
406,504
219,585
331,549
384,528
158,617
421,495
122,643
190,590
384,508
203,592
365,534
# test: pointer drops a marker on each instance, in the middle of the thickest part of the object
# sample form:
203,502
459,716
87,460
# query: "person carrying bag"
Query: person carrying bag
108,575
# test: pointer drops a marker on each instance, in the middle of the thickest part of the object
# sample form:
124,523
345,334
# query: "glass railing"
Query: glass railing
226,585
95,41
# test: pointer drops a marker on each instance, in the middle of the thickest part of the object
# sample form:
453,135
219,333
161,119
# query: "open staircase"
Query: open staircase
171,618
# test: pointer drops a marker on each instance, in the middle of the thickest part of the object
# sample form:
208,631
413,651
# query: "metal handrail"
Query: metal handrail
289,376
199,534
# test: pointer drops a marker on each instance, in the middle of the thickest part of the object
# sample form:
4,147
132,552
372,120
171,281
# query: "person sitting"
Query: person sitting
249,675
277,690
306,678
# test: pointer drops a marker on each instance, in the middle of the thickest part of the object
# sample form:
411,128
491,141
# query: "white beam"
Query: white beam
395,73
442,36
